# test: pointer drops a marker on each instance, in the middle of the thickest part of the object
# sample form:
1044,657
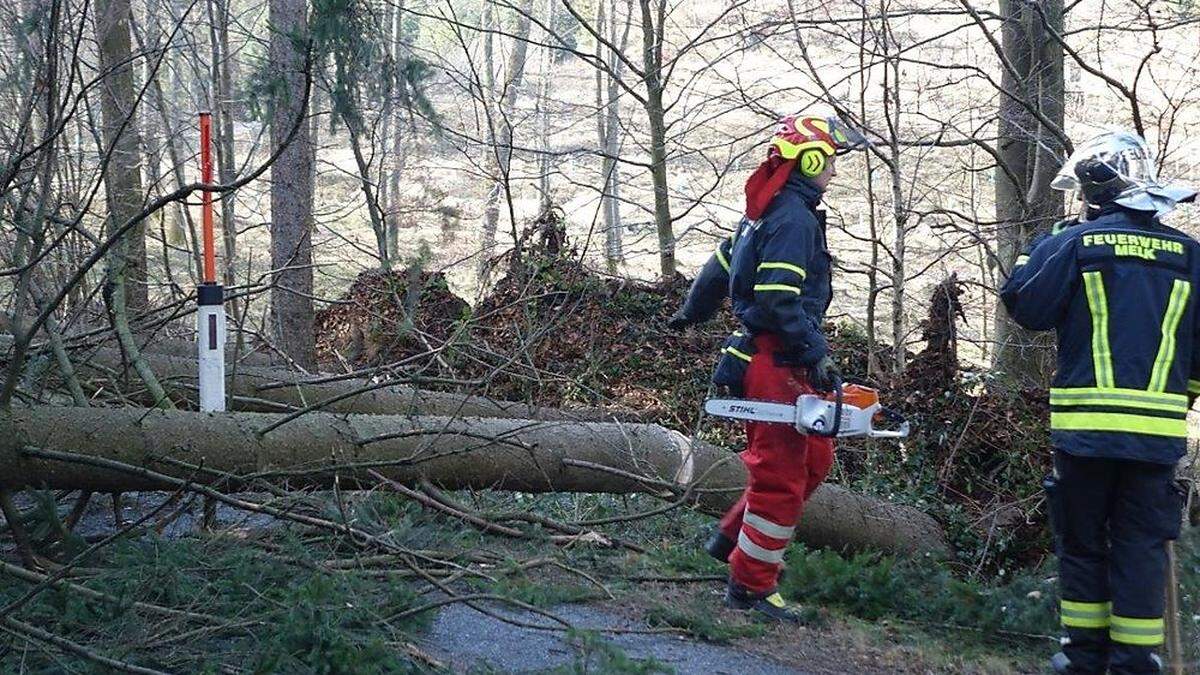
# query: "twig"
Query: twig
358,536
81,504
570,529
432,503
32,633
13,516
62,572
36,578
697,578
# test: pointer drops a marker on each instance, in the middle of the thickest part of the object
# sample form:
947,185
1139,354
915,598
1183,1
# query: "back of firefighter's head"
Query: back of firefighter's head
1108,167
814,144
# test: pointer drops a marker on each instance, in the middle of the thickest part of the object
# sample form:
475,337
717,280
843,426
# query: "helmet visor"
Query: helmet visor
1125,154
846,137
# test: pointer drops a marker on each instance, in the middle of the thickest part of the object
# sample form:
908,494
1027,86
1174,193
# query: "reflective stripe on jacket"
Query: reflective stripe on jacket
1120,291
780,273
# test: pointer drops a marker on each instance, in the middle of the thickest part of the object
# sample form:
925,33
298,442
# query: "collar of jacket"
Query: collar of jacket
1138,218
805,188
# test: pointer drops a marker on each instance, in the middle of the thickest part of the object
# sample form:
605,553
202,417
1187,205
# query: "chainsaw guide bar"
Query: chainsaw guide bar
852,411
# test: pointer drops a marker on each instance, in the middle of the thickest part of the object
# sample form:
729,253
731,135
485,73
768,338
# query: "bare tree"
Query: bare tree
291,188
222,70
653,25
608,129
1031,148
500,128
123,182
399,54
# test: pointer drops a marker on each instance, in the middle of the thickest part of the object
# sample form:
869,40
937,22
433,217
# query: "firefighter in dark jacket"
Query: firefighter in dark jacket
1120,289
777,266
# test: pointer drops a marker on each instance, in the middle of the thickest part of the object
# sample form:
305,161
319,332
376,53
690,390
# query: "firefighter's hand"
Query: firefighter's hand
824,375
678,321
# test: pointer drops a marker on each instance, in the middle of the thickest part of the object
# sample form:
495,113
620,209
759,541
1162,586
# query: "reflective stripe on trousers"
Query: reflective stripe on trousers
1131,631
759,553
1085,614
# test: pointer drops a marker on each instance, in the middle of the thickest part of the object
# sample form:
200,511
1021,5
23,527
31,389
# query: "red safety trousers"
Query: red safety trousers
785,468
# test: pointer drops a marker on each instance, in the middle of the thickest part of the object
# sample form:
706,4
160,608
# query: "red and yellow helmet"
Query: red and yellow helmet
810,140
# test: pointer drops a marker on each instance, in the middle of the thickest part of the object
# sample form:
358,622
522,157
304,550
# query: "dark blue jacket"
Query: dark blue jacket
780,272
1120,291
711,285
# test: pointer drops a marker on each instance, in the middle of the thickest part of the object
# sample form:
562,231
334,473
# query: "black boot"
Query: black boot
719,546
1085,651
768,606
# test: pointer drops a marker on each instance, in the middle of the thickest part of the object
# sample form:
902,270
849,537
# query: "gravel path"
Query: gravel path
466,639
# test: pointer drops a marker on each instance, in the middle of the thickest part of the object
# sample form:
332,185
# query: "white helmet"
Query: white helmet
1117,166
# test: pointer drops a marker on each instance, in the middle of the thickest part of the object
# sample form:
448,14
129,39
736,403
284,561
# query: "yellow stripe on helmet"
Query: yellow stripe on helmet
790,150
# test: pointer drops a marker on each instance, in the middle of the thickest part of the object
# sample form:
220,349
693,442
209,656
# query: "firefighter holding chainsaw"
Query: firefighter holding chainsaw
1120,288
777,266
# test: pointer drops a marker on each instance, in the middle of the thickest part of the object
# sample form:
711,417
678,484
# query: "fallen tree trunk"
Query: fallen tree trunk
454,453
256,388
261,389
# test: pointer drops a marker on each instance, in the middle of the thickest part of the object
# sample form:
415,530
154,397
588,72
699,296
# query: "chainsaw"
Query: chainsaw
850,410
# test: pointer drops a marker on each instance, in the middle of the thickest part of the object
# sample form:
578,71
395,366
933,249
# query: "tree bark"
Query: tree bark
264,389
1029,157
291,190
608,131
316,449
222,104
892,108
257,387
123,178
501,131
399,153
545,65
652,38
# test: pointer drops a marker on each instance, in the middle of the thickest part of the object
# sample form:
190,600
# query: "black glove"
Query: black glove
824,375
679,321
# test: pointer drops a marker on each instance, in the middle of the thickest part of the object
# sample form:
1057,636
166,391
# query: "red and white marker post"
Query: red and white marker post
210,296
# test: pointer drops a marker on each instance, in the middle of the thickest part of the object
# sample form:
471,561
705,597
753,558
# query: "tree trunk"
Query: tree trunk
123,177
291,190
519,455
366,184
1029,156
183,217
171,230
399,153
545,65
265,389
899,213
652,37
608,130
257,386
502,133
223,102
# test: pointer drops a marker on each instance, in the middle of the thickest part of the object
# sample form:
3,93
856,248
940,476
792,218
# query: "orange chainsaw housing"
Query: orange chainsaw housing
856,395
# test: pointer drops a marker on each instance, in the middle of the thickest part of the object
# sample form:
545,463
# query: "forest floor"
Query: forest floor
602,611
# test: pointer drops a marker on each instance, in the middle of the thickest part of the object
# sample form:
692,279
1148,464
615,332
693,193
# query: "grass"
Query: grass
283,613
875,587
696,617
279,617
